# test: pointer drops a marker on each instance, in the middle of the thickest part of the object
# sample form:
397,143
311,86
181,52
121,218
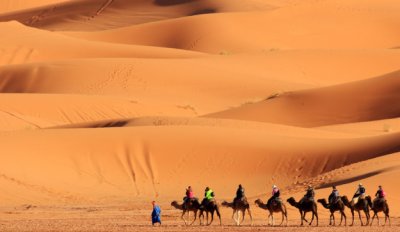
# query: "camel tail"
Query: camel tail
368,198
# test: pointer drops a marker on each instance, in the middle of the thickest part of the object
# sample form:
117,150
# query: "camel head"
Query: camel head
323,202
292,201
345,200
175,204
259,202
227,204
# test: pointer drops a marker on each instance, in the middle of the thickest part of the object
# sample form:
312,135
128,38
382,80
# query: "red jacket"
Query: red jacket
189,194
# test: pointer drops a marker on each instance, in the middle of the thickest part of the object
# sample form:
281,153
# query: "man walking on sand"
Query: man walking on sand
156,214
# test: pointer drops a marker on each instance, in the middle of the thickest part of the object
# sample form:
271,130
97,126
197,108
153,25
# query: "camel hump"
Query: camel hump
242,202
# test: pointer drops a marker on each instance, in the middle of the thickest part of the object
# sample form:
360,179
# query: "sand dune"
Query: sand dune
286,28
46,110
16,48
107,105
99,15
364,100
134,162
183,84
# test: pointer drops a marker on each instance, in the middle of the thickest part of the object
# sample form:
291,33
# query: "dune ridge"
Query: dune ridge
366,100
108,105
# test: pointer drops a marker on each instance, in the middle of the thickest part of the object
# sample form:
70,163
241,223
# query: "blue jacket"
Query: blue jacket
156,214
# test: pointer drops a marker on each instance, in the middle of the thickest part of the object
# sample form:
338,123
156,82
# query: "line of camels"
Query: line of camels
241,207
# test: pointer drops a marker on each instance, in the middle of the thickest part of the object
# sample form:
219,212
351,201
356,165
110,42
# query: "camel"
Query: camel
194,207
379,206
337,206
273,208
209,207
362,205
239,207
304,207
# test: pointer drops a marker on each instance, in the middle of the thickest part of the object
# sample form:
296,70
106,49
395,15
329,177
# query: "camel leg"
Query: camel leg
201,215
219,216
195,217
377,217
304,218
341,218
342,215
212,217
334,220
302,215
388,218
243,215
312,218
352,215
238,218
234,216
251,217
372,219
367,215
269,220
283,218
359,215
385,219
183,218
273,222
285,213
330,219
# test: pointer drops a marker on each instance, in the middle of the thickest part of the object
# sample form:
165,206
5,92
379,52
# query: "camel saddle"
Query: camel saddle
276,201
242,200
356,199
378,201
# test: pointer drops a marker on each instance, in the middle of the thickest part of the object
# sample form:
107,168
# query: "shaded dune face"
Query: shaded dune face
172,2
105,101
83,15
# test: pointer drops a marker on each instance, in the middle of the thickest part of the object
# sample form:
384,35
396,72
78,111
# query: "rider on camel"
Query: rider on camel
275,195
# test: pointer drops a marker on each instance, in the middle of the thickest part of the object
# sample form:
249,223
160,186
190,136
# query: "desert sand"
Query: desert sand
108,105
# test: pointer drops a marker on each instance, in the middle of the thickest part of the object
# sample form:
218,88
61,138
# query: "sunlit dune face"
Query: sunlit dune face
109,108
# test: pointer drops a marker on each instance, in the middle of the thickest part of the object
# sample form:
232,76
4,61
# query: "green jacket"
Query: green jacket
209,195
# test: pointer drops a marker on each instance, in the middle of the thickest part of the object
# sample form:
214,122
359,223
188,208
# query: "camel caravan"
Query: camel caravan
360,203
